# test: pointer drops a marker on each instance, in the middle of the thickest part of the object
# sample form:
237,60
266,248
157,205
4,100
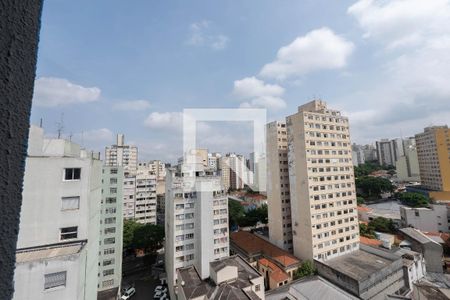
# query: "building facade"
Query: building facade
433,151
322,184
58,242
433,219
278,192
145,196
111,231
122,155
196,221
387,152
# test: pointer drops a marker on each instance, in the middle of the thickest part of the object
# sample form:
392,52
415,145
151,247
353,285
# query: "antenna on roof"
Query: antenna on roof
40,123
60,126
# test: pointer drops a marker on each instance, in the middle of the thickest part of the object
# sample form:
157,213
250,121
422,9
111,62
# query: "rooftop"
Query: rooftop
48,251
417,235
361,264
370,242
193,286
253,245
314,287
277,274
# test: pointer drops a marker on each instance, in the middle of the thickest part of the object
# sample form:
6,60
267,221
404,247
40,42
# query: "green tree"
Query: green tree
360,200
414,199
306,269
149,237
235,212
372,187
366,169
382,225
366,231
129,227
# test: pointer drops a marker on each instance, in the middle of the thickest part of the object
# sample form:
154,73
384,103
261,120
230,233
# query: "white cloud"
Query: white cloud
399,23
200,34
132,105
51,92
410,90
96,135
164,120
320,49
253,92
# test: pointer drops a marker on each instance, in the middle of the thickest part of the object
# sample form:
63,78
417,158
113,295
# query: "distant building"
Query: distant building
58,242
145,196
129,198
122,155
434,219
433,150
358,156
310,288
111,232
407,165
156,167
276,265
196,220
430,249
213,160
367,273
388,152
230,278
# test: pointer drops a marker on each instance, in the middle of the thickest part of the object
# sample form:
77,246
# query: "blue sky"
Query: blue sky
132,66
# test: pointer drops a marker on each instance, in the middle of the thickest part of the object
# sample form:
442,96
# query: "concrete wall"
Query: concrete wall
20,24
29,277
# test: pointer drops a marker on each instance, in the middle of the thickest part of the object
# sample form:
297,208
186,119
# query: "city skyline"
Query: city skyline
135,75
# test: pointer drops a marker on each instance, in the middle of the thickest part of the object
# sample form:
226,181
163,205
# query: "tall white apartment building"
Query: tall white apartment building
322,183
145,196
157,167
196,221
129,198
238,171
58,243
122,155
111,232
388,151
213,160
278,192
225,171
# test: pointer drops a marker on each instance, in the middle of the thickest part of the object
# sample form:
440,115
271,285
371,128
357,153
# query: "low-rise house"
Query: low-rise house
310,288
276,265
367,273
431,250
426,219
230,278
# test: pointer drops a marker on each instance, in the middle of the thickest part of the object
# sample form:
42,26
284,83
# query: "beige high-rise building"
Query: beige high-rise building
279,206
322,183
433,151
225,171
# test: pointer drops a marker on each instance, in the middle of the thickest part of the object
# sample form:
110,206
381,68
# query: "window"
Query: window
109,251
53,280
72,173
107,283
109,241
69,233
110,230
111,200
113,171
108,262
108,272
257,288
68,203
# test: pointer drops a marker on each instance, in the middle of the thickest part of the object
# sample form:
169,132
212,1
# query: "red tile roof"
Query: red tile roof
364,208
277,274
370,242
253,244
